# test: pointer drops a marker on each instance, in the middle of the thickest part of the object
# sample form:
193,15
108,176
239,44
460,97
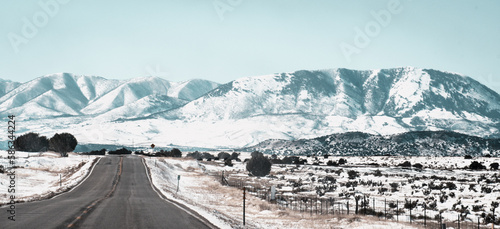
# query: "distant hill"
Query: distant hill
415,143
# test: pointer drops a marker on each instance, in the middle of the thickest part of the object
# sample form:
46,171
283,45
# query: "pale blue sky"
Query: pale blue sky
185,39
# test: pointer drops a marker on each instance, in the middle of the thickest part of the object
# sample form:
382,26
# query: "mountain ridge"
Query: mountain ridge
414,143
249,110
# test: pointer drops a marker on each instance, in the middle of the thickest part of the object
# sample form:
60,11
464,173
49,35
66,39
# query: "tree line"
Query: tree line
33,142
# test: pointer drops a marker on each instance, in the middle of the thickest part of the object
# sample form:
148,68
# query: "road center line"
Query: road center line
89,208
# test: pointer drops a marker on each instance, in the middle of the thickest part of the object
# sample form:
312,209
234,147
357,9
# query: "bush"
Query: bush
405,164
31,142
418,166
223,156
476,166
2,169
451,186
172,153
195,155
259,165
332,163
494,166
175,153
96,152
228,162
394,186
235,156
342,161
120,151
468,157
63,143
352,174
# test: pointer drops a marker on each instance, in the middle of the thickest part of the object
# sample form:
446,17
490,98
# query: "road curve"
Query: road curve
117,194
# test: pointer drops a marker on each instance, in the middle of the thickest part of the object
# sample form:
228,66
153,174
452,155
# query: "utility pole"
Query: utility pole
244,197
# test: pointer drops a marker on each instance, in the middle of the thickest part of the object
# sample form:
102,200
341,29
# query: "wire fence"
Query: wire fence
401,210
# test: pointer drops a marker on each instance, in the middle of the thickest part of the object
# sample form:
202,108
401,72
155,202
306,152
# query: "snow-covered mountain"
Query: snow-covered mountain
64,94
387,101
244,112
6,86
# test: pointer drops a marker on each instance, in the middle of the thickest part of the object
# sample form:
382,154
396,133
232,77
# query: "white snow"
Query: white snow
39,175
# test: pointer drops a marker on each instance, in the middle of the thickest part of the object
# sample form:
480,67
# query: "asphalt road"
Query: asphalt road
117,194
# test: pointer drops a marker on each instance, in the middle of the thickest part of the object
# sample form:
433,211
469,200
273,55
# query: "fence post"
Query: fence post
244,197
410,211
321,204
348,207
364,204
425,214
311,210
385,208
397,210
458,220
316,204
373,205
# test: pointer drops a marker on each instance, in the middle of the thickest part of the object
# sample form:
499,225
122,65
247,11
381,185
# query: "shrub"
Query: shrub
228,162
332,163
120,151
418,166
405,164
235,156
494,166
476,166
451,186
2,170
468,157
31,142
259,165
223,156
352,174
175,153
63,143
96,152
342,161
394,186
195,155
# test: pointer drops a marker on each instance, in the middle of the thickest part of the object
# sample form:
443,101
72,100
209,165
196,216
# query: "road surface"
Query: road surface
117,194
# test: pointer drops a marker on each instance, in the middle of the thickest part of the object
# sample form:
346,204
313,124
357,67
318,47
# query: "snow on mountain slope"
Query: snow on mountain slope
244,112
150,89
57,94
144,107
128,92
7,86
385,101
65,94
191,89
94,87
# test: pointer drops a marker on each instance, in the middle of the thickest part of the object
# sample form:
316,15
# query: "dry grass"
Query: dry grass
227,203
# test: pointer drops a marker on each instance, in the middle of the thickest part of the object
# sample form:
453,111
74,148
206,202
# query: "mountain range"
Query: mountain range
247,111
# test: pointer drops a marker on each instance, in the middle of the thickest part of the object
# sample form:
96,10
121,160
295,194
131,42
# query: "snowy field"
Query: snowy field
200,189
442,184
40,176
